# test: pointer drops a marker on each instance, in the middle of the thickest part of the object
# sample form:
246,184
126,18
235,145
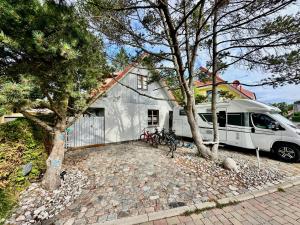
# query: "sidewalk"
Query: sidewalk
281,207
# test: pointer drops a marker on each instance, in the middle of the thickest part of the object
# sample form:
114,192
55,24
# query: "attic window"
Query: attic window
142,82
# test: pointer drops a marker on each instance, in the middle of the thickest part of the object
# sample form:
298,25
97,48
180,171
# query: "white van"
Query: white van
246,124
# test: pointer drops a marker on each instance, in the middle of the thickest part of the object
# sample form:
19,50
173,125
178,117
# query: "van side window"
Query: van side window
206,117
236,119
262,121
222,118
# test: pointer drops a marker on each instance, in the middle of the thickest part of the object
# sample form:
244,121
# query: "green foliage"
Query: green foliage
21,142
200,99
297,114
225,94
121,60
296,118
50,46
15,95
284,107
6,203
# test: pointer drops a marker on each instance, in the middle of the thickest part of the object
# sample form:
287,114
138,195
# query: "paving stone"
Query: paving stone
132,179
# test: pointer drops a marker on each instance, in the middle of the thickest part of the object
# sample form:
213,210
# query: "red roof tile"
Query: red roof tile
239,88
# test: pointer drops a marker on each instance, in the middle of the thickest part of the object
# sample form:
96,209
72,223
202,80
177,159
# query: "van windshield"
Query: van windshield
284,120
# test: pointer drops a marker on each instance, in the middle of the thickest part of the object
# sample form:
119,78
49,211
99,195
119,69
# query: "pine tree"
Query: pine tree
49,59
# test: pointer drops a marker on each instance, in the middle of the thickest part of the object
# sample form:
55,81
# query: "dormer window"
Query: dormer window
142,82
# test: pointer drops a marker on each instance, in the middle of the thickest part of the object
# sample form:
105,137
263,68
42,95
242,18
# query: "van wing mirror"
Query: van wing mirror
275,126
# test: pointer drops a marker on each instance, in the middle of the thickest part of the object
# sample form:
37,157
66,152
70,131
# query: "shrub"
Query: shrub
21,142
296,118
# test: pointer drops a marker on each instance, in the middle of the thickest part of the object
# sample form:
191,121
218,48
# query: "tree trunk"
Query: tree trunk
192,120
216,138
54,162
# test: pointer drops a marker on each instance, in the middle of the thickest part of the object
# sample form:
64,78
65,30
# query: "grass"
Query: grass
280,189
21,142
218,205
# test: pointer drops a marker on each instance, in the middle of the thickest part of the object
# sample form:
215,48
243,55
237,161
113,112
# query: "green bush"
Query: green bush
297,114
21,142
296,118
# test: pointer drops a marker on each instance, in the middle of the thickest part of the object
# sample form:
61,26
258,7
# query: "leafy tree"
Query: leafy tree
49,60
284,107
182,34
121,60
200,99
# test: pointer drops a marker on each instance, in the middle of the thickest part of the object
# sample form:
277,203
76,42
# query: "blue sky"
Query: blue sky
267,94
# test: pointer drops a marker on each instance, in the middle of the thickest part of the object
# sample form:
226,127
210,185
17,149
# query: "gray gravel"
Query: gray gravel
36,204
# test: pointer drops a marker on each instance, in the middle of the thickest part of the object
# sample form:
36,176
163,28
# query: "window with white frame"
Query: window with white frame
153,117
142,82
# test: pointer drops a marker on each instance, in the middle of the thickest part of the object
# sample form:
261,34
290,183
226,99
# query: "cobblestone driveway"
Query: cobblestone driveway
133,179
276,208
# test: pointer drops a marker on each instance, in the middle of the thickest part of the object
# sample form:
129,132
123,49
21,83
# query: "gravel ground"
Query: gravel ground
249,174
37,204
123,180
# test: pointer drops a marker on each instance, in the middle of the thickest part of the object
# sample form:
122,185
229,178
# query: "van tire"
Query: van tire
287,152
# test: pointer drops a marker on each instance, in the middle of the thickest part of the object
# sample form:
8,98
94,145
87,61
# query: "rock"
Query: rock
233,188
27,169
20,218
39,210
154,197
230,164
115,203
146,188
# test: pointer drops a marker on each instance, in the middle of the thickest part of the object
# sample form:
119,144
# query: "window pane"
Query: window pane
153,117
145,84
262,121
207,117
236,119
139,81
182,112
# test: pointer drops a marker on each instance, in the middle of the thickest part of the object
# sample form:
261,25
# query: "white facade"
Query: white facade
126,111
297,106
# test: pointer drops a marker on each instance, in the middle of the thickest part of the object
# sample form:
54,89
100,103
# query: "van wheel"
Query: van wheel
287,152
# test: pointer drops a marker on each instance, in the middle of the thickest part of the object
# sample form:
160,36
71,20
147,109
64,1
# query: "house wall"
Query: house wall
223,87
126,112
297,106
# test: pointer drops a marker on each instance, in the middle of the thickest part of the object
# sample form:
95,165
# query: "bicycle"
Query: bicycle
172,141
167,135
148,137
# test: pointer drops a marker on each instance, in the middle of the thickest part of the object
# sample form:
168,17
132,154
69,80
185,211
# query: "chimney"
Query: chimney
235,84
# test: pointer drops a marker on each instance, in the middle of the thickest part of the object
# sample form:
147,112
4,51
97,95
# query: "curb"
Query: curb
294,181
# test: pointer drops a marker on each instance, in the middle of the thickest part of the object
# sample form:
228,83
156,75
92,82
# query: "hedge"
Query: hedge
21,142
296,118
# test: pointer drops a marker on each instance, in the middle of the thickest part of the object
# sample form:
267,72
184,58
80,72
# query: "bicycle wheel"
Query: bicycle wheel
172,148
155,140
143,138
163,140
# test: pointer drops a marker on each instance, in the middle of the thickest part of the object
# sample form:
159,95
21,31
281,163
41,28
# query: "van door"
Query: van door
262,134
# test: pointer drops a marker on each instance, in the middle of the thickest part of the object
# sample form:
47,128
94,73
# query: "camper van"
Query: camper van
247,124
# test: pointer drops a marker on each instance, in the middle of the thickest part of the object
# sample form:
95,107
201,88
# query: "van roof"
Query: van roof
242,105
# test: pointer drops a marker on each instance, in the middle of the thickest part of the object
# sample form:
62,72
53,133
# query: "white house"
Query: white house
297,106
121,113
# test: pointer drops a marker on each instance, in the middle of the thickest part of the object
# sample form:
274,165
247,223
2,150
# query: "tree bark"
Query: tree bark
192,120
54,162
216,138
